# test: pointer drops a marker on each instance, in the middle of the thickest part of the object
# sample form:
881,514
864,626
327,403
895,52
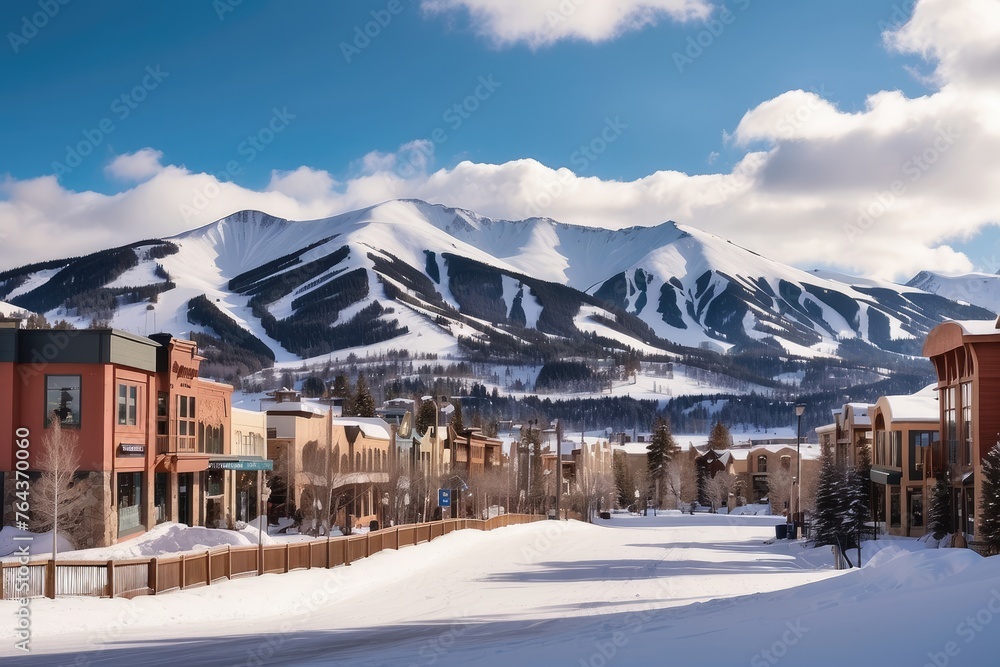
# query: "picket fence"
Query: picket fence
164,574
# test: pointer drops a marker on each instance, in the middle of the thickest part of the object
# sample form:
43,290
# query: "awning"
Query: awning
243,463
181,463
886,477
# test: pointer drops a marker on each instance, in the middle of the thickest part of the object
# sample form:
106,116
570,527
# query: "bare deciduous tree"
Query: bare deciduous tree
779,490
53,495
718,488
321,479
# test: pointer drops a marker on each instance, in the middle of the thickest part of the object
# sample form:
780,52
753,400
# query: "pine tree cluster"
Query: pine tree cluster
842,501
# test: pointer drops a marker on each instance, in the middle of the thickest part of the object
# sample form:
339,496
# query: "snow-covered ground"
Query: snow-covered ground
685,590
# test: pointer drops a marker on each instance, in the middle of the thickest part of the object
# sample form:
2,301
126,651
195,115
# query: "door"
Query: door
185,484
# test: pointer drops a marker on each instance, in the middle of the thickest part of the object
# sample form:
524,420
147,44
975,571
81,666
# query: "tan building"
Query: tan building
966,357
904,429
248,441
316,454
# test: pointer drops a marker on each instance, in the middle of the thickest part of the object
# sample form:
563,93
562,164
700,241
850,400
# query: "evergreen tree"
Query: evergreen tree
719,438
660,452
341,387
456,417
313,386
939,520
828,525
364,404
426,416
864,470
855,511
989,522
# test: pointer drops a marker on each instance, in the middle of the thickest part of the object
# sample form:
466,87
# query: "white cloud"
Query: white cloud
882,191
136,167
303,184
541,23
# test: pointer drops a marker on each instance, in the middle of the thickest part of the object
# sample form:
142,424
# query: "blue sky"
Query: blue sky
225,76
226,66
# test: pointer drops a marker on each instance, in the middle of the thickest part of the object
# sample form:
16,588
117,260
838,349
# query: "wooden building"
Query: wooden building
966,358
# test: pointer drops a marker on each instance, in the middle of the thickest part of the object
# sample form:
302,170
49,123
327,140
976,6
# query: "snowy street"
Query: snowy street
685,590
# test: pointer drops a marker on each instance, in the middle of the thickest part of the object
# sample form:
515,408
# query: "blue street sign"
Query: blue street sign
444,498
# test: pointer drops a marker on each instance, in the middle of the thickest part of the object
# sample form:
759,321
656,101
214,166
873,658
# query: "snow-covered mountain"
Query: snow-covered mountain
979,289
411,275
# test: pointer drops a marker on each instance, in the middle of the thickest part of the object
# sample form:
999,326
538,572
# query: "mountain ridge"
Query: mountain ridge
406,273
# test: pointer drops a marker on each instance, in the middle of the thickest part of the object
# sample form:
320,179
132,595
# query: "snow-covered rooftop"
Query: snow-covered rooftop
295,406
372,427
915,408
979,327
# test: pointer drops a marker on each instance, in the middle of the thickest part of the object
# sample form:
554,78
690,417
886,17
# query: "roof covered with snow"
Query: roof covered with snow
372,427
860,411
979,327
294,406
915,408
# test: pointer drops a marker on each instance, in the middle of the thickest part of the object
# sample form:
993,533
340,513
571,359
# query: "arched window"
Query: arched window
786,462
336,458
762,463
345,463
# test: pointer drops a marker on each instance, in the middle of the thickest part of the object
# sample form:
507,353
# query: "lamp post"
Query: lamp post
799,409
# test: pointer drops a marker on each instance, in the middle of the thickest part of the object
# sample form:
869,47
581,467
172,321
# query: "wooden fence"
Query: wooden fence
163,574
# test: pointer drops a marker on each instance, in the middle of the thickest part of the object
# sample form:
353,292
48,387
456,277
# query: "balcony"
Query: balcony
175,444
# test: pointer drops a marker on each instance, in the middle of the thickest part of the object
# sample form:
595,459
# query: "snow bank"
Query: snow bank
40,544
172,538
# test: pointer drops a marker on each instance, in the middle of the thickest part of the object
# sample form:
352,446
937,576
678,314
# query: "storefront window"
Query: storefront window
62,398
161,491
129,501
215,512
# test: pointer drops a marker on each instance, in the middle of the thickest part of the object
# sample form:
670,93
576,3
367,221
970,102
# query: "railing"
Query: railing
152,576
171,444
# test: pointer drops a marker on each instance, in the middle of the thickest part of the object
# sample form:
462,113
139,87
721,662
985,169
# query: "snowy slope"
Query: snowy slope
408,273
980,289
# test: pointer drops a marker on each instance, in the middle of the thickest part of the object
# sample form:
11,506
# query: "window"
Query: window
161,414
895,508
967,421
919,442
185,423
128,399
210,439
786,462
889,448
950,425
62,398
917,509
761,463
